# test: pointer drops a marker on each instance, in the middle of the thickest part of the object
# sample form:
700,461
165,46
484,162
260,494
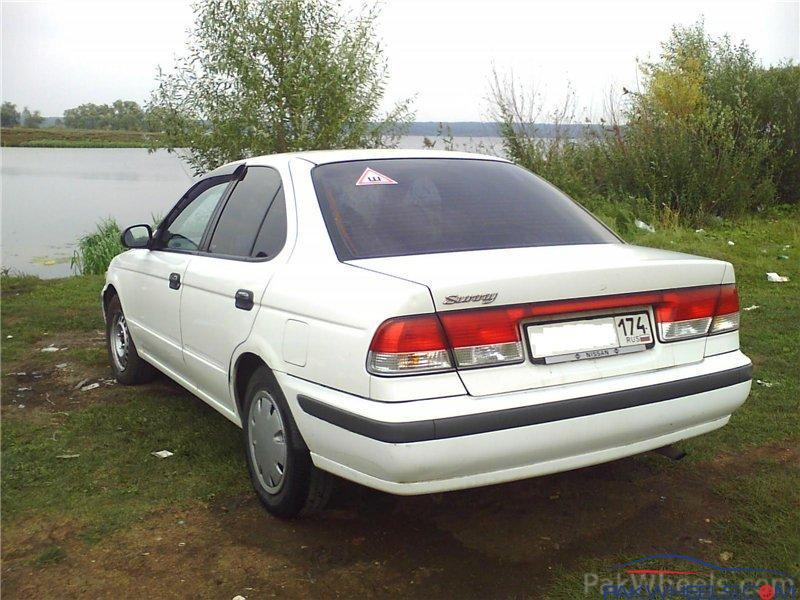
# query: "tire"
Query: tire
129,368
283,476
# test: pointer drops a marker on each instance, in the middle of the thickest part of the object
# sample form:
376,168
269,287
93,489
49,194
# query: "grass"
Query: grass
769,334
765,502
96,250
53,554
33,309
52,137
115,482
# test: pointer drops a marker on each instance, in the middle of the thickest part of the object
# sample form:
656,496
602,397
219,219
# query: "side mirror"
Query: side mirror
137,236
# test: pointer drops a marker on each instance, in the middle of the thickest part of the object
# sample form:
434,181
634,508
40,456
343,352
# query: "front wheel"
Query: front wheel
129,368
281,471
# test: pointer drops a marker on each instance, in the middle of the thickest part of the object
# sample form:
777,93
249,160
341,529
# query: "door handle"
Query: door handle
244,299
175,280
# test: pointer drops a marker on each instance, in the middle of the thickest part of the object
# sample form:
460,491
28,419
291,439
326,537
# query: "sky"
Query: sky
59,54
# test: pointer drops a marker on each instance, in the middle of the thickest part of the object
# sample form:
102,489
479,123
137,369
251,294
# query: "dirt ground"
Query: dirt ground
510,541
501,541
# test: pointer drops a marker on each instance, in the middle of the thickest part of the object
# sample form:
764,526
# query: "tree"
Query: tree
122,115
693,131
265,76
127,115
9,115
31,119
88,116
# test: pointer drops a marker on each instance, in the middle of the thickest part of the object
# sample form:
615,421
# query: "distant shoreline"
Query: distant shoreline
476,129
59,137
56,137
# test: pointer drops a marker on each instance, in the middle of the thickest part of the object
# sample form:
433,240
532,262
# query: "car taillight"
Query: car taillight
726,317
409,345
492,336
695,312
484,337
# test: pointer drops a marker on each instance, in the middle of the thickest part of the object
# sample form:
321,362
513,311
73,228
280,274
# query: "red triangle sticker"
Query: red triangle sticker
372,177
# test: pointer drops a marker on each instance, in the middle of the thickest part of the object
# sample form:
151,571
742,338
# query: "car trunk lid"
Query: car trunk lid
524,276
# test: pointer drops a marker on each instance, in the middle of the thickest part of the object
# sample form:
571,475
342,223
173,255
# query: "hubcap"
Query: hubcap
267,442
120,340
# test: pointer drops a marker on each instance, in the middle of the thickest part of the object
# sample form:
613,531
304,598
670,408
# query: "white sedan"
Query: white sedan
420,321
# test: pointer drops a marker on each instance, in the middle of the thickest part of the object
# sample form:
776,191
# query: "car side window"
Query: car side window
186,230
272,237
253,222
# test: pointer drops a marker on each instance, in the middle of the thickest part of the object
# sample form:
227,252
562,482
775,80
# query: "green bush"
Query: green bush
709,134
776,102
95,250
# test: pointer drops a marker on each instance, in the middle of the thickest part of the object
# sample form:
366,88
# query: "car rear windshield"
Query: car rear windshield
397,207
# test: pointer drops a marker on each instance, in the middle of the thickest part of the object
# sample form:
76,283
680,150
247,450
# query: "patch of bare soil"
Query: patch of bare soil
53,380
777,452
501,541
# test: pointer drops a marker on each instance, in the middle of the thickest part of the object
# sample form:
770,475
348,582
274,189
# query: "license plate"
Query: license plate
590,338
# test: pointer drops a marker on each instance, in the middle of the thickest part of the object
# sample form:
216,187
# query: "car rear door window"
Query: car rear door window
253,222
272,236
397,207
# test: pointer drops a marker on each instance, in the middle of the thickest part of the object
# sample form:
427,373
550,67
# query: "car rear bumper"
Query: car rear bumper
458,442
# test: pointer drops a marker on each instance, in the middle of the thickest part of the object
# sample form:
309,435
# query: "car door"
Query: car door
224,283
152,297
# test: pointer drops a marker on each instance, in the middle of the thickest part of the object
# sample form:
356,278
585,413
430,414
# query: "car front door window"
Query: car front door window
186,230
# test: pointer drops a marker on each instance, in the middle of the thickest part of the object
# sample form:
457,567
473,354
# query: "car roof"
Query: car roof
319,157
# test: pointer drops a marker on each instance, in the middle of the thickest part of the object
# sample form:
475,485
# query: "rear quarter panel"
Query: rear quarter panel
317,321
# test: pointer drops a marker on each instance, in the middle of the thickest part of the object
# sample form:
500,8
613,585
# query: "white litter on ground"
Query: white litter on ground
730,243
753,307
162,454
68,456
699,230
775,278
91,386
644,226
766,384
61,366
51,349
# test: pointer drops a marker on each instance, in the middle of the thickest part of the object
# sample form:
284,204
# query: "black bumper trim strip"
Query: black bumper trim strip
436,429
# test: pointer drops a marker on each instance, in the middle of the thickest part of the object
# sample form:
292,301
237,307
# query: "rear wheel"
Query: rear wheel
129,368
281,471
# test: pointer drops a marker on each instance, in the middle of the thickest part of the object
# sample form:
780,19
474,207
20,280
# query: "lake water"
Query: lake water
52,196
